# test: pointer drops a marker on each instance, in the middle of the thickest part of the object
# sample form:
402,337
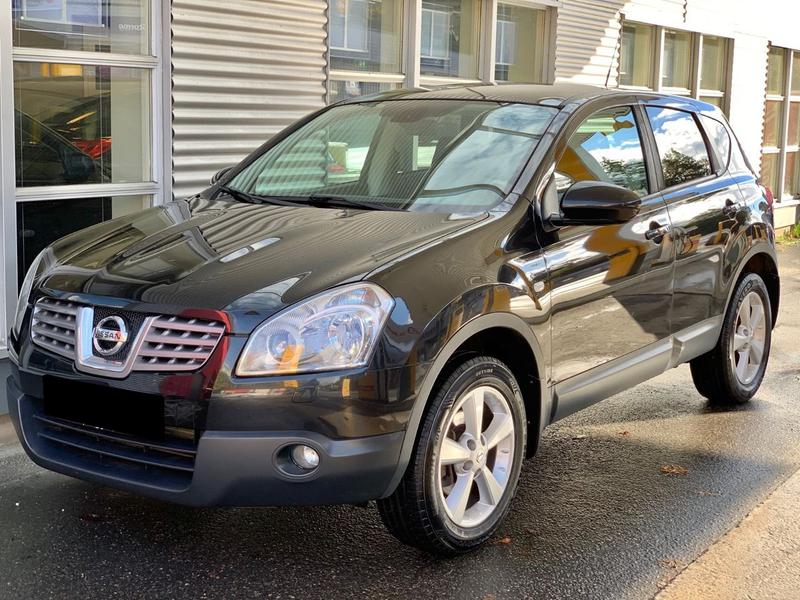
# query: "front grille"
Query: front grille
177,344
166,464
164,343
53,326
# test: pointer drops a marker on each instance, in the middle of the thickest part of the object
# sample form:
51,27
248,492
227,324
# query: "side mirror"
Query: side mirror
597,203
219,175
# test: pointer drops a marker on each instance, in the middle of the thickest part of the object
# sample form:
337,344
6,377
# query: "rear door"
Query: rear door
703,201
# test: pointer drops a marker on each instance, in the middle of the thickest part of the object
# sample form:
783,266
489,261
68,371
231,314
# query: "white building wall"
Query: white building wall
588,36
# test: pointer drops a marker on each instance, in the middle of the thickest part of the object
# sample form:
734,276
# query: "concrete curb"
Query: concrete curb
757,559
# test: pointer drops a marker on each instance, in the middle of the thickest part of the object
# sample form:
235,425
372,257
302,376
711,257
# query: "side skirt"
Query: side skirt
589,387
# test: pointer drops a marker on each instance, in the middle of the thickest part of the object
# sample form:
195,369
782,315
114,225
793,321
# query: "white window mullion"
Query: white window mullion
85,190
161,41
696,69
76,57
8,210
784,135
658,57
490,43
413,36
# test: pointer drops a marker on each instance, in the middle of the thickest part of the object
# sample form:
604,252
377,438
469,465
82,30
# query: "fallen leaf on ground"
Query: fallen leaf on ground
674,470
504,540
91,517
671,563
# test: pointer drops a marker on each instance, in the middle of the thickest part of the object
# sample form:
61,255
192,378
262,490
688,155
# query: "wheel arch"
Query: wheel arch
469,339
761,260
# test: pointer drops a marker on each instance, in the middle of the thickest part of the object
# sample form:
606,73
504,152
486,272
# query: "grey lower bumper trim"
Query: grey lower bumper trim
233,468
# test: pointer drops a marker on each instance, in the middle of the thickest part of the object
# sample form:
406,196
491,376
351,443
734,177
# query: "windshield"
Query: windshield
416,155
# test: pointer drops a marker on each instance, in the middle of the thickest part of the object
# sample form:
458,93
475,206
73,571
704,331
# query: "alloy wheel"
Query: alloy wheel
475,456
748,341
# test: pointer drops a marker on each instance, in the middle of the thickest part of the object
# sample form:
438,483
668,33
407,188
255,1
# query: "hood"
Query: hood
248,260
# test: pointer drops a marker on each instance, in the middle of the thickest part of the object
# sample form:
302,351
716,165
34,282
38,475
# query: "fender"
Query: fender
469,329
759,248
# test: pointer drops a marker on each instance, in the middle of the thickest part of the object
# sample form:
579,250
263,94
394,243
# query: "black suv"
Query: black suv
391,299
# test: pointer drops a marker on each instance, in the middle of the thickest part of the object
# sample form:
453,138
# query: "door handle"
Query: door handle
656,232
731,208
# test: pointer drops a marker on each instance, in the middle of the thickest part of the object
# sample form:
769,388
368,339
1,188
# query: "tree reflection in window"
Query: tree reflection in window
681,146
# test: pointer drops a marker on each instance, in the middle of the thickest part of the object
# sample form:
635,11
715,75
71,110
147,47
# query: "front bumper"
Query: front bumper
239,468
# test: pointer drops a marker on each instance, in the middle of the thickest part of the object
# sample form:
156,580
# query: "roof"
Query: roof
557,94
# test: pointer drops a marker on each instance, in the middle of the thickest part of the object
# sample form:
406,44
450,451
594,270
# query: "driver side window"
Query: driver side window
605,147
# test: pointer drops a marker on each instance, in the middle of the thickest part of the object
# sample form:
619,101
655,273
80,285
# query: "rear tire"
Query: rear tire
733,371
465,466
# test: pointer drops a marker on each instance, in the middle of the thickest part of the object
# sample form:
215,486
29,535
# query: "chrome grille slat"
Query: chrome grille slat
179,339
181,324
168,343
57,333
178,344
58,306
53,326
172,353
47,318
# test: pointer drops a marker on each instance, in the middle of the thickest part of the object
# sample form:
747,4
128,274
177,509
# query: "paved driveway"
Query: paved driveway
594,517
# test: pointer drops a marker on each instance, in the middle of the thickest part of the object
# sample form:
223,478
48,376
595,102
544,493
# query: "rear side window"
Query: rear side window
681,146
605,147
719,138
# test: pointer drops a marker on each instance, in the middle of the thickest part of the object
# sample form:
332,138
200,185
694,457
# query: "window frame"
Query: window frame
346,47
410,20
159,185
695,90
656,154
433,14
654,55
500,37
786,98
721,163
591,108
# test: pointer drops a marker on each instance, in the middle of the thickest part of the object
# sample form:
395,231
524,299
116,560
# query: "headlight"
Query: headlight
25,292
337,329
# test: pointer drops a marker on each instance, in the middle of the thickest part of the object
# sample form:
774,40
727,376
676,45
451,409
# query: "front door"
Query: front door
611,285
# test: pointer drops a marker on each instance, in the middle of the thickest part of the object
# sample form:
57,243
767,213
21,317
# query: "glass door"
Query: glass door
81,102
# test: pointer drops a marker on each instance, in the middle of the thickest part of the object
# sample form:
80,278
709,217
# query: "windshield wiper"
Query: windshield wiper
325,201
253,199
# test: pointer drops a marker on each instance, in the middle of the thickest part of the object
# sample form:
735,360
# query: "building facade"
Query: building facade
110,106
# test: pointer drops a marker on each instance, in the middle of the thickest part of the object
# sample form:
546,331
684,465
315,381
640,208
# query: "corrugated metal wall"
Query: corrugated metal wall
242,71
587,32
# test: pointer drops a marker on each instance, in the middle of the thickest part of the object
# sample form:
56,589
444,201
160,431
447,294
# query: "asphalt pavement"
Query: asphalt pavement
619,500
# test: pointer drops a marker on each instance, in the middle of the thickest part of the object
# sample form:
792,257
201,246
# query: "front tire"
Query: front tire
733,371
465,467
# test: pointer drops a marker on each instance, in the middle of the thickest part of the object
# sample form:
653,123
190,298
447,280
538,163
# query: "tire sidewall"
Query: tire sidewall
480,372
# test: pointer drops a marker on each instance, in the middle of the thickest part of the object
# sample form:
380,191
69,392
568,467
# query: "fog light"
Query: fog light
305,457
